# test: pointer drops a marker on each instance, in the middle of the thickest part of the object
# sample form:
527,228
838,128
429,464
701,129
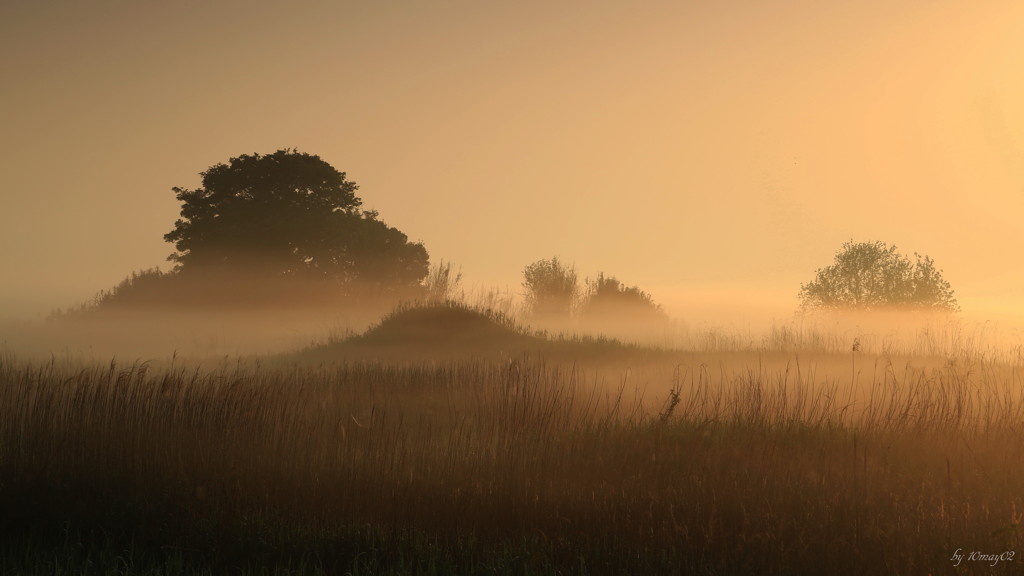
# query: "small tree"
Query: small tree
609,300
551,288
870,275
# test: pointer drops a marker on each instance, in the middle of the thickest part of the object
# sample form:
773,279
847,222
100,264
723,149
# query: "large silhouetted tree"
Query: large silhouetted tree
289,214
871,275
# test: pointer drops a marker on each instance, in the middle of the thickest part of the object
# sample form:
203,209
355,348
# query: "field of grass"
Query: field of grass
787,459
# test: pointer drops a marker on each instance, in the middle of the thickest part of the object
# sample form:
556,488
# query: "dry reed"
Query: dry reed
771,463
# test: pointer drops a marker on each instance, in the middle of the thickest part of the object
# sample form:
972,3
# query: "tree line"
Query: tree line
261,226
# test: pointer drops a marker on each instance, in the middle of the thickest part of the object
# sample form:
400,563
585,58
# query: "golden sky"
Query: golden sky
713,153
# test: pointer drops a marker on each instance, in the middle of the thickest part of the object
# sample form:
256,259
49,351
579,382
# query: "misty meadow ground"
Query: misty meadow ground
727,462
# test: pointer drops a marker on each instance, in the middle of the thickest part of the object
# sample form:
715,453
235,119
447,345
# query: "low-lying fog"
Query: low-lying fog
707,325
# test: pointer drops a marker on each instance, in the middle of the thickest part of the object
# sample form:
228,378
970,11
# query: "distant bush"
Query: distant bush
551,288
611,307
609,299
137,288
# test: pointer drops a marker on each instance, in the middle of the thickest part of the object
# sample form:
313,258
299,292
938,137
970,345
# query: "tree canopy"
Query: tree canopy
289,214
871,275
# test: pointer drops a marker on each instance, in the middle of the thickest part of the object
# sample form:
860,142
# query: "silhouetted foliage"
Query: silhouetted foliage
609,300
135,288
139,288
869,275
289,214
551,288
241,288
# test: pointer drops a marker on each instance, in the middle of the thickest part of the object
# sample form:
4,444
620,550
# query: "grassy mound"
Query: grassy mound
448,323
453,330
434,331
